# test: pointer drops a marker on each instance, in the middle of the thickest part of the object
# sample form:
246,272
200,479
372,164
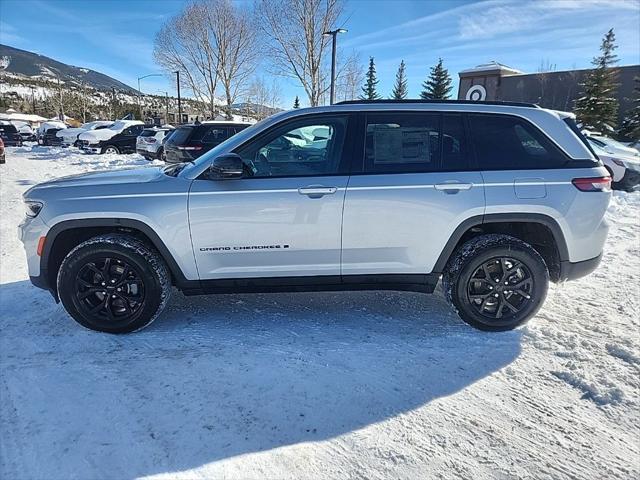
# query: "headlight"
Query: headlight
32,209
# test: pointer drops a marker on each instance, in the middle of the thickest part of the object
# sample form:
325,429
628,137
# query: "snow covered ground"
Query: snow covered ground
370,385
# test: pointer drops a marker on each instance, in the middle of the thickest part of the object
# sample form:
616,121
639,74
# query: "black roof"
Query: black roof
463,102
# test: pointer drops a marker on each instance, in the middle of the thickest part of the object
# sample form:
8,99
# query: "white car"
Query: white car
118,138
69,136
149,143
613,147
624,170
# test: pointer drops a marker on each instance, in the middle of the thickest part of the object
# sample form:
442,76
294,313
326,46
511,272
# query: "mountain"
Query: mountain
21,63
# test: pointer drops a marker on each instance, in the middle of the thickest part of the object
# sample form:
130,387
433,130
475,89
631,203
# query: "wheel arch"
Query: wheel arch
540,230
65,235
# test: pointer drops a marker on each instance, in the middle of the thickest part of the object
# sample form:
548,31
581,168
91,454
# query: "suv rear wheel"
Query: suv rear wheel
496,282
114,283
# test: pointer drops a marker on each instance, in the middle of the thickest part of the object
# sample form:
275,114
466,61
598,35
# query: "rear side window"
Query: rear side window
215,135
180,136
147,132
504,142
402,143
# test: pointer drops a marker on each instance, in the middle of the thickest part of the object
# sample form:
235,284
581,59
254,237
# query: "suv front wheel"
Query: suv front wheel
496,282
114,283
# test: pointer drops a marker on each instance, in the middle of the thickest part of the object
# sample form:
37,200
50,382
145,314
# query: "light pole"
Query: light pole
140,93
334,34
177,72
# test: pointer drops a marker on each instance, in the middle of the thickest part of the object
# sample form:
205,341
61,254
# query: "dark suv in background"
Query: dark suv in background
10,136
188,142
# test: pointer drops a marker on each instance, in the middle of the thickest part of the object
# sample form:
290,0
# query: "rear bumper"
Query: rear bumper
573,270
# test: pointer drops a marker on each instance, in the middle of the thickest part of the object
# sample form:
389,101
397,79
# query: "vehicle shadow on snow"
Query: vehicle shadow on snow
221,376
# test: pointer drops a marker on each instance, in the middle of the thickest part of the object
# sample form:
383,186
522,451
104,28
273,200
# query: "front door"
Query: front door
284,217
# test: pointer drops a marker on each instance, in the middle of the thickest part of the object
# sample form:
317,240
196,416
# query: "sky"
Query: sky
116,37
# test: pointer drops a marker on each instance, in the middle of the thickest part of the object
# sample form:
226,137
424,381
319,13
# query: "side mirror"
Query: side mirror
226,166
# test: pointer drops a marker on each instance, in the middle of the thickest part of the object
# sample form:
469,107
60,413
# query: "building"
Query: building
554,90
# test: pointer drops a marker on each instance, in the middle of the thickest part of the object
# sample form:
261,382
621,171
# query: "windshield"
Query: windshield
118,126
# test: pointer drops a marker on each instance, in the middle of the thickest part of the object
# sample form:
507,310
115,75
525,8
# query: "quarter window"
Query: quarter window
309,147
503,142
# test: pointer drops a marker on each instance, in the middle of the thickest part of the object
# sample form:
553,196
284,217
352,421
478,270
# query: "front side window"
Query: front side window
402,143
307,147
504,142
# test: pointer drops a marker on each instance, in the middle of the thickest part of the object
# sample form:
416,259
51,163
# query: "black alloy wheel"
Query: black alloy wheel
500,288
111,289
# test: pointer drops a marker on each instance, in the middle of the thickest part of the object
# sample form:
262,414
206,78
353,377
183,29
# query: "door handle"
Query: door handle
453,187
317,191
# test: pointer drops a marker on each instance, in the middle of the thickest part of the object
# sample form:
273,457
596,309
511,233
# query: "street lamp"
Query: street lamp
140,93
177,72
334,34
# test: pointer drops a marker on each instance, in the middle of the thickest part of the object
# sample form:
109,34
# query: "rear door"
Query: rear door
415,186
284,218
127,139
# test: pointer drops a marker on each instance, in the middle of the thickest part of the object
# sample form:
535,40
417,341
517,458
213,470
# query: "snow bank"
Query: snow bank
326,385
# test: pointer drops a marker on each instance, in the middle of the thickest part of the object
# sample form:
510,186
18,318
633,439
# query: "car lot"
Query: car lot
330,385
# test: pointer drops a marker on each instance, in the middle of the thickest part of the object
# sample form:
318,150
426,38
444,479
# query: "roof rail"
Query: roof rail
463,102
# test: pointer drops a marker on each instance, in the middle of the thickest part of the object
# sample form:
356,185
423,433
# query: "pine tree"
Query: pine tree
296,102
438,85
630,129
369,90
597,108
400,88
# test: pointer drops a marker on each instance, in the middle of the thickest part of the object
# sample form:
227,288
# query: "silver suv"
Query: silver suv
497,199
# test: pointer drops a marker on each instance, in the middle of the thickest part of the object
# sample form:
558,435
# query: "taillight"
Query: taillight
594,184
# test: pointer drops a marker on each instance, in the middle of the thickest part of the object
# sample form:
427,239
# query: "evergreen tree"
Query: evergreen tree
400,88
630,129
369,90
438,85
597,108
296,102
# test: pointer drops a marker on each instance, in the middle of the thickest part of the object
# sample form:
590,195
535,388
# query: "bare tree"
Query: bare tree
297,47
263,99
184,43
234,35
350,77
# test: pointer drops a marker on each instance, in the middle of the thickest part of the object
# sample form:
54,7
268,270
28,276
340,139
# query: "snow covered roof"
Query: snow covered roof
490,67
24,117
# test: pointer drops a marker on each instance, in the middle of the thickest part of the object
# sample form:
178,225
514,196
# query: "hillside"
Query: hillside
22,63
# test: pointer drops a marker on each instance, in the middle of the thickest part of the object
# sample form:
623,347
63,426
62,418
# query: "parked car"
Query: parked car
150,142
9,134
188,142
47,133
69,136
497,199
24,129
2,154
624,170
613,147
118,138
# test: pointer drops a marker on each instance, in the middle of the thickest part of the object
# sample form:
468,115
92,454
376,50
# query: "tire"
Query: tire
163,156
159,155
112,149
130,272
470,284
